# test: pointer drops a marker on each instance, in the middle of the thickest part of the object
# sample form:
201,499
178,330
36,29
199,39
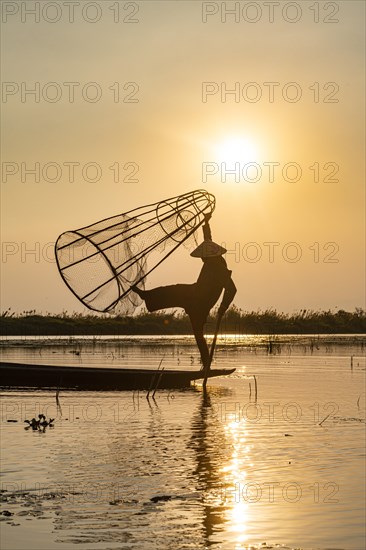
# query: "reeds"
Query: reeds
237,321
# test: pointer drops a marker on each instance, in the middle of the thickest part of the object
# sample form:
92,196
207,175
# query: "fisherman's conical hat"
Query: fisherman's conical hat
208,249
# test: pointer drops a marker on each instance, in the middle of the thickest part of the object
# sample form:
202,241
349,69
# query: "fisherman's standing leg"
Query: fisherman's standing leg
197,326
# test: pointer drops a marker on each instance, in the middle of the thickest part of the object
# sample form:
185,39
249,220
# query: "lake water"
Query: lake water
272,462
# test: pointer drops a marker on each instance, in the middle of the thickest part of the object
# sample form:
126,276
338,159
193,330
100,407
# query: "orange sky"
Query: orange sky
296,101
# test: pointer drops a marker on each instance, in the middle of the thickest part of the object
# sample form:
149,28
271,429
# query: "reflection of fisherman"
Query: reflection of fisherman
198,298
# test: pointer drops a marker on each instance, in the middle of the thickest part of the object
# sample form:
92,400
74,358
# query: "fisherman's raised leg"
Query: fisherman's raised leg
164,297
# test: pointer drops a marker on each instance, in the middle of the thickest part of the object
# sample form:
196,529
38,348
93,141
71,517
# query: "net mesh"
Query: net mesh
100,262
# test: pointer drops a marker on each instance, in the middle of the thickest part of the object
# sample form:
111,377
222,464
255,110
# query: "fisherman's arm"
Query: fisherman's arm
207,229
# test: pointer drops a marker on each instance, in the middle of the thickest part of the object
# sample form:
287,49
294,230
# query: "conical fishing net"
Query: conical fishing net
99,263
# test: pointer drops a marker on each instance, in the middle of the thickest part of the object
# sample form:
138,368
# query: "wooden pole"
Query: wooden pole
158,382
154,378
212,350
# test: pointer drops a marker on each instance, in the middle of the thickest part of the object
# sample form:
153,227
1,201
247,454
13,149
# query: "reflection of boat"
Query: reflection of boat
93,378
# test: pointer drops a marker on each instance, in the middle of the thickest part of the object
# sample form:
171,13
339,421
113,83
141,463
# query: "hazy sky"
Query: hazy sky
146,86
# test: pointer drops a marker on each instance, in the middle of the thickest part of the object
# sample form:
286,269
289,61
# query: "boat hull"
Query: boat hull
21,375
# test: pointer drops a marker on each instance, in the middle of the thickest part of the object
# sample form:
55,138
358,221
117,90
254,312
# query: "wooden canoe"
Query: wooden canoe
22,375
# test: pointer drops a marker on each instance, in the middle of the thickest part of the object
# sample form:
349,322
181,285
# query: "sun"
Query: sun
236,149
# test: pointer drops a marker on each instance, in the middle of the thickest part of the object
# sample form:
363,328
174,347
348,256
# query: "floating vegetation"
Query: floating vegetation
39,425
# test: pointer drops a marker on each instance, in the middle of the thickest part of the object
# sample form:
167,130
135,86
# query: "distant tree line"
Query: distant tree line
236,321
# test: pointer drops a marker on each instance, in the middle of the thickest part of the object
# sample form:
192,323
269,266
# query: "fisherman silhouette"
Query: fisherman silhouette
198,298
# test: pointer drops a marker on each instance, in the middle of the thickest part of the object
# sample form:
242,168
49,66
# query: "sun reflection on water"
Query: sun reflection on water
234,474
